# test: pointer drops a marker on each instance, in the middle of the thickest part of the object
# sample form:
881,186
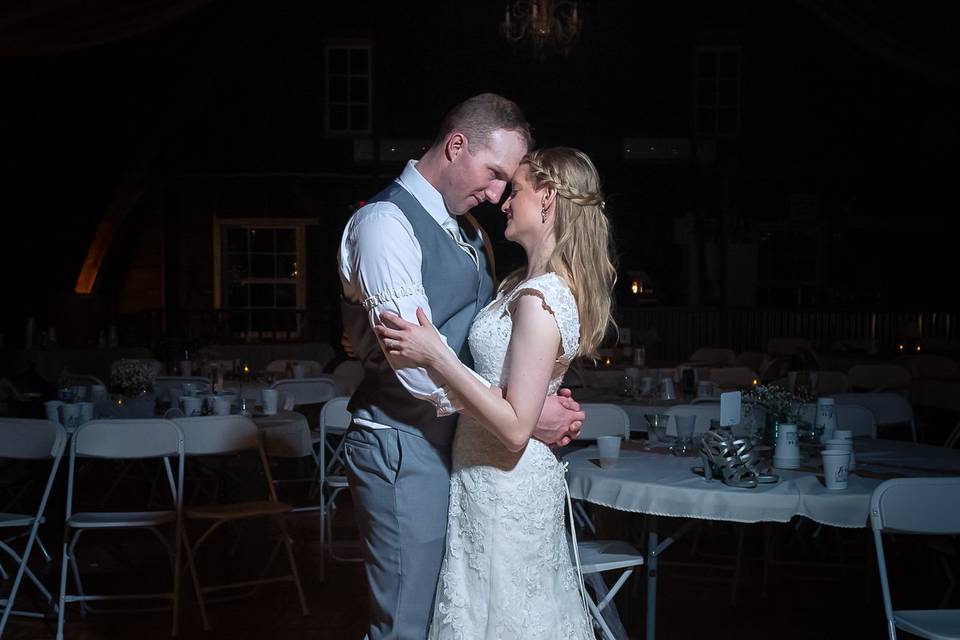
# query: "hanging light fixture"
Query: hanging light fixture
546,23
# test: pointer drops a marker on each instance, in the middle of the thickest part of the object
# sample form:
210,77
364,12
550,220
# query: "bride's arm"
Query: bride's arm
531,356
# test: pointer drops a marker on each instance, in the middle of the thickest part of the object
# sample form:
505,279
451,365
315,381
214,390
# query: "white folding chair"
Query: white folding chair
163,384
311,368
308,390
733,377
599,556
878,377
124,440
226,436
604,420
922,506
33,440
888,408
854,418
713,357
335,419
348,375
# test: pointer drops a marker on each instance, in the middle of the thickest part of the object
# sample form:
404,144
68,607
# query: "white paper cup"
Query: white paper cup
79,392
191,405
70,416
646,384
667,391
847,435
826,418
835,469
189,388
270,399
706,389
52,407
98,393
609,450
221,406
787,453
86,412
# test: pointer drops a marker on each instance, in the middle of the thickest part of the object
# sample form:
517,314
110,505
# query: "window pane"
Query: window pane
706,120
286,265
337,59
358,117
261,240
236,239
359,61
237,295
236,267
708,92
286,240
287,296
727,63
339,88
286,320
261,321
707,64
338,117
261,295
728,93
358,90
262,266
728,121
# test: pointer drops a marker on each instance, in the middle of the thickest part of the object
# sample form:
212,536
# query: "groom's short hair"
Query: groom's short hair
479,116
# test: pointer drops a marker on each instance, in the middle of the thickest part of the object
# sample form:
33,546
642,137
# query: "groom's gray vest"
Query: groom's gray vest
456,291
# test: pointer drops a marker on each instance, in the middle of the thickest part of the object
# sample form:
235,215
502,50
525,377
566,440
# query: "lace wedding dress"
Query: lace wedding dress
507,572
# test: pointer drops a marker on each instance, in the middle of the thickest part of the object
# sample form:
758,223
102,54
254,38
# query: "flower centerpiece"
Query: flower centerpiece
132,377
782,407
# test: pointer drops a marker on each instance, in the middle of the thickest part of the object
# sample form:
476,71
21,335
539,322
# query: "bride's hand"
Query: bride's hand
417,343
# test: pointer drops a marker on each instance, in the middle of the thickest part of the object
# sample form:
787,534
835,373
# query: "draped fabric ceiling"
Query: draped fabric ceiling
31,27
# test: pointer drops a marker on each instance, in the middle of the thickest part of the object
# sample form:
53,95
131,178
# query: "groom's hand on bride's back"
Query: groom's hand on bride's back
560,420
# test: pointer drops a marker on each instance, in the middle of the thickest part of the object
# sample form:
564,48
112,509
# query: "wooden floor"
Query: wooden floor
694,600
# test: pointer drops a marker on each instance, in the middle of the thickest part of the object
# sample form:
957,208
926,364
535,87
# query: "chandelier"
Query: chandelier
548,24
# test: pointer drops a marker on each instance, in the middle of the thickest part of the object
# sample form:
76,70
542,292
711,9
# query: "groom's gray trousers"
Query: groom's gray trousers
400,485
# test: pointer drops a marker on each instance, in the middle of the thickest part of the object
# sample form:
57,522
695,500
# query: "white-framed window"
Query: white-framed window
717,91
349,105
260,275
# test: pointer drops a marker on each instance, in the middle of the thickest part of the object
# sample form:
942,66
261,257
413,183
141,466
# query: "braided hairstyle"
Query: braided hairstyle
584,241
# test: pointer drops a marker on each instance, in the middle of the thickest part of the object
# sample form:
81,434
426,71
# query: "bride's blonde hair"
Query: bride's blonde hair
582,255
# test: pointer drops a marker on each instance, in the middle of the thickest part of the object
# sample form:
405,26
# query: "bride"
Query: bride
506,570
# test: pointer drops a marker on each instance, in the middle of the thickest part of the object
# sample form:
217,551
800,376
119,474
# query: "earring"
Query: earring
543,214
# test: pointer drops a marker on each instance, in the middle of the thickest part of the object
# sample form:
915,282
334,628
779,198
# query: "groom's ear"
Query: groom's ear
456,144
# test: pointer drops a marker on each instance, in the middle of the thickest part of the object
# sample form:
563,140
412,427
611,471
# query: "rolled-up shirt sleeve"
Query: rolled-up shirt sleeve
387,271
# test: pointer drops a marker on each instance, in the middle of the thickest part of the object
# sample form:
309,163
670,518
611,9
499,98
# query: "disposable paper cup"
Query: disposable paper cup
609,450
189,388
70,416
86,412
52,407
221,406
835,469
270,398
191,405
842,444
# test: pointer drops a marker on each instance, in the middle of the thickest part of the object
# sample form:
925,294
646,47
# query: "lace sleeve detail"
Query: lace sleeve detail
559,301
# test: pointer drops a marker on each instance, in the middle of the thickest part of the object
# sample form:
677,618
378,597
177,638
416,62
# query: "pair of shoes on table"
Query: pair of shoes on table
732,460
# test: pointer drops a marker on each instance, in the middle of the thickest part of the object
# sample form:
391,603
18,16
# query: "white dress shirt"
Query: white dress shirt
380,267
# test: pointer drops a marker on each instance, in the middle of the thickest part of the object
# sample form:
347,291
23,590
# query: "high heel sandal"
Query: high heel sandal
751,459
721,460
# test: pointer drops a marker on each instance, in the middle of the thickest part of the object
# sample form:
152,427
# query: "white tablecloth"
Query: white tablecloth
658,483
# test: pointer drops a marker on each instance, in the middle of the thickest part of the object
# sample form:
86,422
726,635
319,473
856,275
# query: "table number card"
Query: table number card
730,409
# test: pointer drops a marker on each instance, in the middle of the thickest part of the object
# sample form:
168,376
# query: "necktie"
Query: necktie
451,227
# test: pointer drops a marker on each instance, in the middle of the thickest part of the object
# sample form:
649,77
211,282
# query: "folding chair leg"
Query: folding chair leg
293,566
192,568
61,606
598,617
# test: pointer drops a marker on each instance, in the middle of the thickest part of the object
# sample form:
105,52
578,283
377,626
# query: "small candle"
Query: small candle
246,368
607,361
754,382
634,287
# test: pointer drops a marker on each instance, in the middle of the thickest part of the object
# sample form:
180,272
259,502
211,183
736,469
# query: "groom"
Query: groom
415,245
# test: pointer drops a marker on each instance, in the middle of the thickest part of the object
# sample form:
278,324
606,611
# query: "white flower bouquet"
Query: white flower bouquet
132,377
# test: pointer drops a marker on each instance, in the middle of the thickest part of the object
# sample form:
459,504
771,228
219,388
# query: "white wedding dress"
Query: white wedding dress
507,572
